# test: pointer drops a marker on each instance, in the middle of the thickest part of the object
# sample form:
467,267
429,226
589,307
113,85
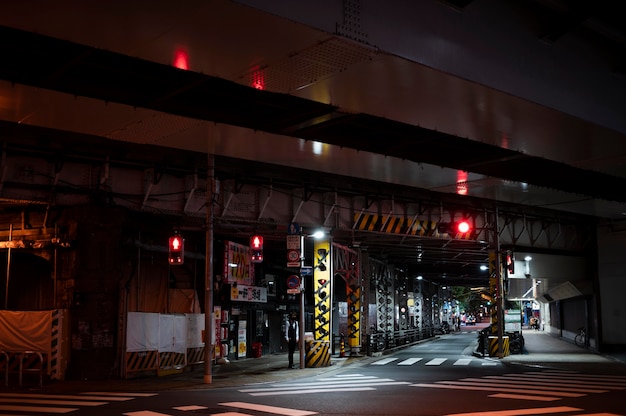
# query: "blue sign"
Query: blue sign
306,271
293,228
293,282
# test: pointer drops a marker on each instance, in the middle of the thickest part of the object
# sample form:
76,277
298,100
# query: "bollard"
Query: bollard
342,346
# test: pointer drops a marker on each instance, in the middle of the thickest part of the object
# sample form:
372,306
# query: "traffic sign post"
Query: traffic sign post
293,284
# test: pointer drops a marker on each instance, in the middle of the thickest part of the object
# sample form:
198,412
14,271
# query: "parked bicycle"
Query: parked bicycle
581,337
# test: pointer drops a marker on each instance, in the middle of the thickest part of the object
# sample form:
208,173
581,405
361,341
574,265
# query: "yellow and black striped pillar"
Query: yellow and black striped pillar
322,289
353,296
493,292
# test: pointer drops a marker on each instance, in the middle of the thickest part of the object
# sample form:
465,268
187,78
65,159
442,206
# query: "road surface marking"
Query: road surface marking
384,361
409,361
268,409
524,397
436,361
522,412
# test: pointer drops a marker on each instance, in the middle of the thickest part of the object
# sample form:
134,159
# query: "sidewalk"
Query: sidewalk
265,369
544,349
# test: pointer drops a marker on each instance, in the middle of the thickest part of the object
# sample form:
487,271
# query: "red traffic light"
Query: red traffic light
463,227
176,250
176,243
256,249
256,242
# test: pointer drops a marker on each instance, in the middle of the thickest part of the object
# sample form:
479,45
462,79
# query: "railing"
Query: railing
22,362
41,369
384,341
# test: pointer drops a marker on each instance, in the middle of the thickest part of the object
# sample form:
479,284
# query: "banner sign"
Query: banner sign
237,265
243,293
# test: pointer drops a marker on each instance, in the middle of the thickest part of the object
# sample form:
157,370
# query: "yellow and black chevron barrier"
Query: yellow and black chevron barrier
195,355
322,290
142,361
493,346
317,354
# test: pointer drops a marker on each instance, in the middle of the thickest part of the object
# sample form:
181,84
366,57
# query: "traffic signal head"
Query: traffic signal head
510,262
457,228
176,250
256,249
463,227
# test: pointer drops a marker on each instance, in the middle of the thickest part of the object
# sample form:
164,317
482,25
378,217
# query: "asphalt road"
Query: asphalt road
434,378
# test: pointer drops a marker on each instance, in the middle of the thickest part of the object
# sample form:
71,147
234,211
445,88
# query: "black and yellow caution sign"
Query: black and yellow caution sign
322,289
393,224
317,354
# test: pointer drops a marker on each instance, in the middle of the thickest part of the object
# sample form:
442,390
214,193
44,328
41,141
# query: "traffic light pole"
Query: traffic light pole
209,322
301,324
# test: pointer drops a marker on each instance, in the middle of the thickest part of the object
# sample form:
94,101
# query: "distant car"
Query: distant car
471,320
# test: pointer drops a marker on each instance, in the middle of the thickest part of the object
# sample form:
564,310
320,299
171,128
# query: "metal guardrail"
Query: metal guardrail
22,357
383,341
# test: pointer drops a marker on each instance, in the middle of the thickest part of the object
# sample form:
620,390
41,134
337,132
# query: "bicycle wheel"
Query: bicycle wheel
580,340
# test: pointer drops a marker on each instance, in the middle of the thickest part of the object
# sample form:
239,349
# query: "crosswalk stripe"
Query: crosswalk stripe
310,391
269,409
384,361
522,412
53,401
10,408
409,361
500,389
118,395
524,397
521,386
463,361
316,386
31,402
335,384
145,413
538,381
67,396
436,361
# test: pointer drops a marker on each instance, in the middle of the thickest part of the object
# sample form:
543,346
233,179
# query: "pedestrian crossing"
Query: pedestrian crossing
335,384
46,404
433,362
544,386
253,408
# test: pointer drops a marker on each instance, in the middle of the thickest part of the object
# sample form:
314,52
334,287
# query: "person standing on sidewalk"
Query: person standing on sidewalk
292,336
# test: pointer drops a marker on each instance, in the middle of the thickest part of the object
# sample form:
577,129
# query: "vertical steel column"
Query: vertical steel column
209,322
6,293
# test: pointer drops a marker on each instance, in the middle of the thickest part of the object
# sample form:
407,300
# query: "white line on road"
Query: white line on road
436,361
409,361
524,397
522,412
501,389
310,391
384,361
38,409
269,409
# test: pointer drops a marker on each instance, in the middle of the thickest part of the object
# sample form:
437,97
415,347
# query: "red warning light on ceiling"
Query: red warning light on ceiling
461,182
258,80
181,59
